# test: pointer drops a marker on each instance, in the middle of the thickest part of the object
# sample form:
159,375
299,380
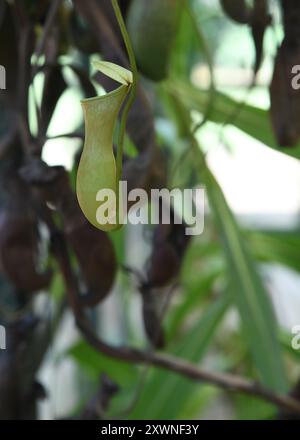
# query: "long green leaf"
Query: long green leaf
274,246
249,294
251,120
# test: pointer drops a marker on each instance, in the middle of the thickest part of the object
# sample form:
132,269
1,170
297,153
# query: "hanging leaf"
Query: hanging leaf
237,10
169,245
152,319
285,100
19,234
260,20
50,98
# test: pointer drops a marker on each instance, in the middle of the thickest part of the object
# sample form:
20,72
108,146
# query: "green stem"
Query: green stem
207,53
132,94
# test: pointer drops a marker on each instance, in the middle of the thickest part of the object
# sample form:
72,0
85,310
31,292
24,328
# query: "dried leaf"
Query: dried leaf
54,87
285,99
93,249
151,318
169,246
260,20
237,10
19,237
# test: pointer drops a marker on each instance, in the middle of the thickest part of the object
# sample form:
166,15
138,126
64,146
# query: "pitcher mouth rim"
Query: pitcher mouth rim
101,97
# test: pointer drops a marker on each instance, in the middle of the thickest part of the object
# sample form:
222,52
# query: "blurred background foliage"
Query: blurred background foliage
235,298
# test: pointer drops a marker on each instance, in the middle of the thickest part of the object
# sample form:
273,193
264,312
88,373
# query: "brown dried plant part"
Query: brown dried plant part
99,403
93,248
256,16
164,265
290,415
169,244
19,253
151,315
19,237
151,318
260,20
8,58
79,34
237,10
54,86
26,338
285,100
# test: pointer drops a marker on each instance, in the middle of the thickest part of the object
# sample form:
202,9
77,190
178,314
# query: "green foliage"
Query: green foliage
165,394
249,294
224,110
248,291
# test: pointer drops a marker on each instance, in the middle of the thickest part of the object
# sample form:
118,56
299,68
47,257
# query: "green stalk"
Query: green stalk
132,94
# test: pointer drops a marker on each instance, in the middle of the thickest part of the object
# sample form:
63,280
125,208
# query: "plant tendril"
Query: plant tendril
132,94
